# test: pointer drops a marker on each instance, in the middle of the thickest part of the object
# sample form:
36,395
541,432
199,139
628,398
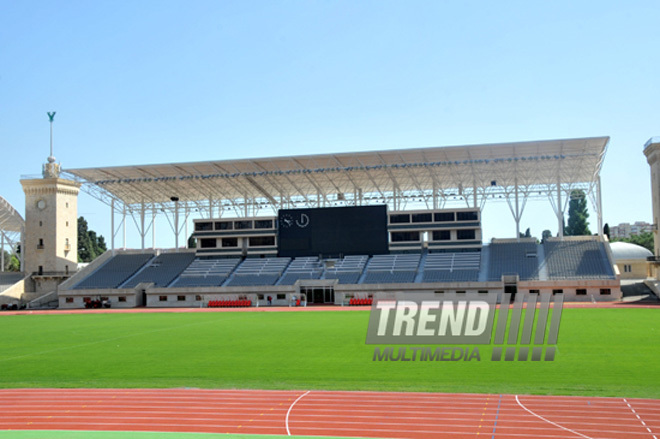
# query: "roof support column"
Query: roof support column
395,199
2,252
560,212
599,207
123,223
186,225
474,194
176,224
517,215
153,227
112,226
143,232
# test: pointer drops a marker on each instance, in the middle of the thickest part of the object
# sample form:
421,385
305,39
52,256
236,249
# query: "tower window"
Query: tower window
41,243
41,223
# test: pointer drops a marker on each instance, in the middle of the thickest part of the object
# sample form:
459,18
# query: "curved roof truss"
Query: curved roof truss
470,175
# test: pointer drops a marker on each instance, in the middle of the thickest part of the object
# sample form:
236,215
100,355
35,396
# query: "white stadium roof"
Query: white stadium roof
356,178
404,179
10,219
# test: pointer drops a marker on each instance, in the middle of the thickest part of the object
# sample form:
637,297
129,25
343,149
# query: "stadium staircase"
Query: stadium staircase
484,268
47,301
7,280
419,277
543,266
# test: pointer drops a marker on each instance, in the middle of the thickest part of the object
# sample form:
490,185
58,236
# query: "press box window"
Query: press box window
467,216
202,227
441,235
121,299
605,291
581,292
422,217
181,298
400,218
230,242
162,298
465,234
555,292
281,296
405,236
242,225
263,224
443,217
260,241
208,243
224,225
69,300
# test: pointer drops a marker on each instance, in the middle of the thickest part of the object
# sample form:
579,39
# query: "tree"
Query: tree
606,230
577,215
192,242
527,234
90,246
11,262
546,234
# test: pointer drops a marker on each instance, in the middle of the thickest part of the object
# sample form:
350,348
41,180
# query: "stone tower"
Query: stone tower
652,153
51,227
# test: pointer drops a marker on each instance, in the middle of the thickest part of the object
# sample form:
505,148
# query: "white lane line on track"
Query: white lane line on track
640,419
286,421
549,421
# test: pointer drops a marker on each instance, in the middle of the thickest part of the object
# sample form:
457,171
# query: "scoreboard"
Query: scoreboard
333,231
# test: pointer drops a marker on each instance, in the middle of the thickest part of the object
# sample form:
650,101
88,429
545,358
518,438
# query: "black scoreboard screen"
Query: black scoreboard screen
333,231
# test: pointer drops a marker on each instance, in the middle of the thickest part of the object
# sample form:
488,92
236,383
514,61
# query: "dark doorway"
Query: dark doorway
319,295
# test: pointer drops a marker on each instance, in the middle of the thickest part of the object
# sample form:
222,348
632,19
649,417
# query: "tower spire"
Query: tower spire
51,169
51,116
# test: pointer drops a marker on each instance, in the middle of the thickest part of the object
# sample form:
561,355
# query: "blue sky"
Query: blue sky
170,81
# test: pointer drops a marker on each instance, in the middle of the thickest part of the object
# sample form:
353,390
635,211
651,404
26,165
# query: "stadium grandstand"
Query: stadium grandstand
330,228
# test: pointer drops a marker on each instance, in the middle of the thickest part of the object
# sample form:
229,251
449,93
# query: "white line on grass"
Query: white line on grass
286,421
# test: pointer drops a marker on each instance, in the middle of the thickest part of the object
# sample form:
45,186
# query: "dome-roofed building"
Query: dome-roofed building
631,260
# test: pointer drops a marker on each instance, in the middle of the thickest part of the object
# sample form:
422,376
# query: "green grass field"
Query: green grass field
602,352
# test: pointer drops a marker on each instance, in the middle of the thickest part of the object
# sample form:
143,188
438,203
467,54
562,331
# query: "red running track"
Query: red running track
324,413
